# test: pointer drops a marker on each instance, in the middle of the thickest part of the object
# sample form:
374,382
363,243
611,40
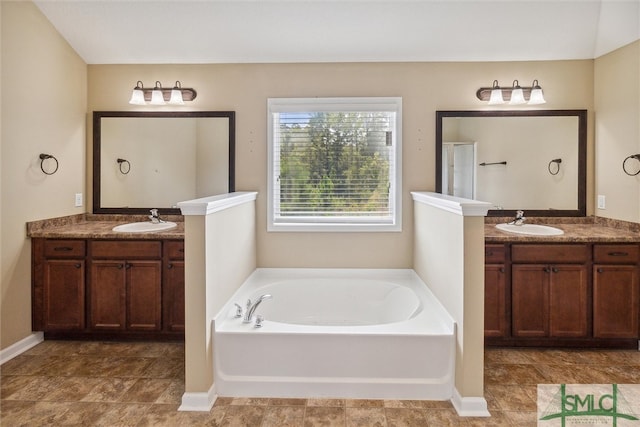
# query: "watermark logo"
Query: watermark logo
567,405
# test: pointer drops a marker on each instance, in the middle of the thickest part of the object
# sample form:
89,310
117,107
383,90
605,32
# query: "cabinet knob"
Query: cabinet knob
546,269
501,269
170,266
127,266
62,249
120,266
78,265
554,269
599,270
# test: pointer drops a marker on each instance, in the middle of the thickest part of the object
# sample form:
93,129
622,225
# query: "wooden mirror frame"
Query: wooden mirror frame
97,126
582,155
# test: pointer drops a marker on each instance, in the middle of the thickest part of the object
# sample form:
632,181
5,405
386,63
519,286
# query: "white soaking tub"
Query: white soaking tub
341,333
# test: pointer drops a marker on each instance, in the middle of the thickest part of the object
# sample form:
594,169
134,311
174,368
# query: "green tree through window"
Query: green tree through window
334,164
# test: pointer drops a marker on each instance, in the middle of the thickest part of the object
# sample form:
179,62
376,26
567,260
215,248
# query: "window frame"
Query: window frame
334,223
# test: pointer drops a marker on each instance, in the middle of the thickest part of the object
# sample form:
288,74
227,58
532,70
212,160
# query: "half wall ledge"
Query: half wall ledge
211,204
457,205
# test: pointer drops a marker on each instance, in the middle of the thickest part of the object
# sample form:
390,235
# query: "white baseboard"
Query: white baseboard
198,401
469,406
21,346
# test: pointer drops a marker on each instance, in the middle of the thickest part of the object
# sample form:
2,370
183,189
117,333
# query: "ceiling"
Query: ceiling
242,31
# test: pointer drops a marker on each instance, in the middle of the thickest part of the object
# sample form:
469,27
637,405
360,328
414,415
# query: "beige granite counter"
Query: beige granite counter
576,230
89,226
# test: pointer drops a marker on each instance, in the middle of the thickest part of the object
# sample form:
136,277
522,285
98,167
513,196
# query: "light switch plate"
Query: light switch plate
601,202
78,200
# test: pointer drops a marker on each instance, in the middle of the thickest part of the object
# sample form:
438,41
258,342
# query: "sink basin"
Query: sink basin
530,229
144,227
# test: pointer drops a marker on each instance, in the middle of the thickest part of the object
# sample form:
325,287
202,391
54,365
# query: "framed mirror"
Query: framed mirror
145,160
534,161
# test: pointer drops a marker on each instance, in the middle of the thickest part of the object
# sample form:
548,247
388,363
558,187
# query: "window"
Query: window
334,164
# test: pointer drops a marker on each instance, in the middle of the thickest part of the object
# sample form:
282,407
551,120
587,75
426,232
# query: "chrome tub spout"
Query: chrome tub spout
251,308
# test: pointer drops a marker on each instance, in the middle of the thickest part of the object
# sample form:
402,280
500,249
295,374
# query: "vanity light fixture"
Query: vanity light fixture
137,96
536,94
176,94
156,95
515,95
161,96
496,94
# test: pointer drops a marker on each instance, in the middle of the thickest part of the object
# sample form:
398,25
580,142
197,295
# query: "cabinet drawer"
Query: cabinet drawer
616,254
549,253
64,248
175,249
119,249
494,254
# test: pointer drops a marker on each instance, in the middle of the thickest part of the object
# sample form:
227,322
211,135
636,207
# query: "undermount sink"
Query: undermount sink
530,229
144,227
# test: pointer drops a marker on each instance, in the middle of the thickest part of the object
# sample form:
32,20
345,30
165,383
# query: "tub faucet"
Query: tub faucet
154,217
519,219
251,308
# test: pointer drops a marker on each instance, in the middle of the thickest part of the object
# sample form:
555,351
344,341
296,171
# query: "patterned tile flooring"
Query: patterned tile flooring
59,383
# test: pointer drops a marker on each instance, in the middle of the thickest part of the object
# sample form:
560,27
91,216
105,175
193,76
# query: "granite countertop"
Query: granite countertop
576,230
89,226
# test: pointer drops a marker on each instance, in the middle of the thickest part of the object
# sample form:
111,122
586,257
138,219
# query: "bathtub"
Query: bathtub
336,333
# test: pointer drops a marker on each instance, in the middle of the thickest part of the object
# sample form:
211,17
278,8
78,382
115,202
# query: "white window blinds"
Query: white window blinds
334,164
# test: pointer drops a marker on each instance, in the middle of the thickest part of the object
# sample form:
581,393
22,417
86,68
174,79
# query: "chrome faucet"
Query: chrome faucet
519,219
251,308
154,217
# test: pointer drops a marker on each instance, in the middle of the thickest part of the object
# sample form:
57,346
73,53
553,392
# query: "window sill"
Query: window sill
333,228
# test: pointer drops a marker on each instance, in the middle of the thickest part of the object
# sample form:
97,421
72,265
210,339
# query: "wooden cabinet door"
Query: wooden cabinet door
108,295
64,294
568,301
530,300
174,296
143,295
615,301
495,317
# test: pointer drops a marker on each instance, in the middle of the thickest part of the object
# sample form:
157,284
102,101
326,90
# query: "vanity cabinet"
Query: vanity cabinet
568,294
88,288
125,285
60,273
495,290
549,290
615,291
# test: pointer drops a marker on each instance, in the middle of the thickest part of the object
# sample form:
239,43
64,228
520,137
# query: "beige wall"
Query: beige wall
424,87
617,107
44,96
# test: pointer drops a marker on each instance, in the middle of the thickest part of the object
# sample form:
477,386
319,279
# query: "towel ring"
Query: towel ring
121,162
557,162
44,157
624,164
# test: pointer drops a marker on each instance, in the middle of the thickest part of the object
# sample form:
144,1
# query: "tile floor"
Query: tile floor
60,383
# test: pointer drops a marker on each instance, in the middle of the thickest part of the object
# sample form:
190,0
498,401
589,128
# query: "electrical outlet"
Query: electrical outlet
78,200
601,202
